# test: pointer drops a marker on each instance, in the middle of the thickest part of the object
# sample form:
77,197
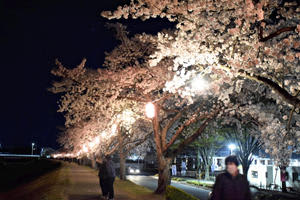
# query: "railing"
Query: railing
20,155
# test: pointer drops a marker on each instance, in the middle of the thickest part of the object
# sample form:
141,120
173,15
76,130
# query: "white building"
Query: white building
264,174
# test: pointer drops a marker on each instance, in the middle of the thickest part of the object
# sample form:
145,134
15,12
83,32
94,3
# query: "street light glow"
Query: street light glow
150,110
232,147
199,84
85,149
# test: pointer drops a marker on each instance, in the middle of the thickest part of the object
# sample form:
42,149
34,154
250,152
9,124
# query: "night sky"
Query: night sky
32,35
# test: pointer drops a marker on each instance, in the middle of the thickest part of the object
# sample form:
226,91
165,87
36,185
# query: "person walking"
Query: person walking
174,170
183,168
231,185
111,174
102,174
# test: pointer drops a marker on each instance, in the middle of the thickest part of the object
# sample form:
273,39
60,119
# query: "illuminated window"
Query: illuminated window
270,162
254,174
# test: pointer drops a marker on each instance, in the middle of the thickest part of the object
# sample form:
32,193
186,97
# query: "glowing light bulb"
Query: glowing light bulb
150,110
199,84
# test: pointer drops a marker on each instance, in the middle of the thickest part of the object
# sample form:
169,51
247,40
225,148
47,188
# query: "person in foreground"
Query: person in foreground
107,176
231,185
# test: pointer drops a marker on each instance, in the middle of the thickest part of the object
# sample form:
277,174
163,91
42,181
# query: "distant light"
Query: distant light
199,84
85,149
150,110
32,144
232,147
114,129
97,140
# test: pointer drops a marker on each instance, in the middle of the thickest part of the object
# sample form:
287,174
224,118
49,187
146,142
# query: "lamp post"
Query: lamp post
32,146
232,147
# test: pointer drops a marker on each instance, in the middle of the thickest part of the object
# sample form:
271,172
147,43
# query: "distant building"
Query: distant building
264,174
46,152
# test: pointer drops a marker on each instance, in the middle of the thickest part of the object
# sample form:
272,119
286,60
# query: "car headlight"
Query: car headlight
137,171
131,170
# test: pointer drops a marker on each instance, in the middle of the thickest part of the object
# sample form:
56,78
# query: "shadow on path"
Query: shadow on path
83,197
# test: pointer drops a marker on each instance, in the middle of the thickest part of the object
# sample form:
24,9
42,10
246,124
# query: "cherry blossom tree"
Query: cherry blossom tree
230,43
172,112
258,40
98,123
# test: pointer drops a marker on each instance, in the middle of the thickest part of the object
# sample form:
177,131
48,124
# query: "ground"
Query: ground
74,182
150,182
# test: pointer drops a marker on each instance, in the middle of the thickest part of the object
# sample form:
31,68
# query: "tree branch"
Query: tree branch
191,138
293,100
272,35
167,127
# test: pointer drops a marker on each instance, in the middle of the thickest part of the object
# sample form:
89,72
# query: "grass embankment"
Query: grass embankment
50,186
135,192
16,171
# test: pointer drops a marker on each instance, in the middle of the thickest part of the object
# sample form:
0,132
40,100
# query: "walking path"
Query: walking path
85,186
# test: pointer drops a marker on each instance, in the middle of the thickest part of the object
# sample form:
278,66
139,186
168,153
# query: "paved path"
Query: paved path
151,183
85,185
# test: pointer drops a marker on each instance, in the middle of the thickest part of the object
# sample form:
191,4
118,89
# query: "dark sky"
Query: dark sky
32,35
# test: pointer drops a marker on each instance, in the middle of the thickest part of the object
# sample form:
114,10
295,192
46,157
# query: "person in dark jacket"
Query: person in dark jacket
111,174
231,185
102,174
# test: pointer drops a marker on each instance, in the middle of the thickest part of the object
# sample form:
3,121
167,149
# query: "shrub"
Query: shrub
178,179
197,183
173,193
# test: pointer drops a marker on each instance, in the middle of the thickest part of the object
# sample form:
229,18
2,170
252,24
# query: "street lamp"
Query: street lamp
150,110
199,84
32,146
231,147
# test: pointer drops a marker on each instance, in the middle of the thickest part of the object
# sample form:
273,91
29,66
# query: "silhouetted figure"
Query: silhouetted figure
102,174
111,174
231,185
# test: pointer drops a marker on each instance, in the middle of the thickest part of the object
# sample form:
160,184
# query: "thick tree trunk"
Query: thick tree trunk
206,172
122,166
245,171
163,175
93,161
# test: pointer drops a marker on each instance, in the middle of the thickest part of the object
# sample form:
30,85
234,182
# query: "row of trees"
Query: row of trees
234,63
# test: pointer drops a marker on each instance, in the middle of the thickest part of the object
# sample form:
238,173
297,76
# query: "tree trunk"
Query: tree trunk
206,172
122,165
245,170
198,163
283,178
163,175
93,162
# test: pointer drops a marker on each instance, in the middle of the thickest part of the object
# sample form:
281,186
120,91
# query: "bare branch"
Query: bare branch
276,33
